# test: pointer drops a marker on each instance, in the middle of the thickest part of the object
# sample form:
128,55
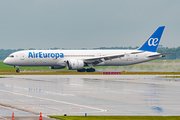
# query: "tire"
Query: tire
17,70
91,70
82,70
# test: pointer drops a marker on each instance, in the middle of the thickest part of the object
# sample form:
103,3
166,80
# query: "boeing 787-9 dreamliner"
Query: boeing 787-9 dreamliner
78,59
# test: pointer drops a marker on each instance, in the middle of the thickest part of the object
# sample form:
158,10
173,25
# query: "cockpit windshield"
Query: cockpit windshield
11,56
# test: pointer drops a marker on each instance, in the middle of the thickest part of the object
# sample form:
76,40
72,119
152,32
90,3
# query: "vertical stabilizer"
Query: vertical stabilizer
152,42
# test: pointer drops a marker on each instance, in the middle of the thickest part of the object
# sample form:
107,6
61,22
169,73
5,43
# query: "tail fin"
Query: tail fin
152,42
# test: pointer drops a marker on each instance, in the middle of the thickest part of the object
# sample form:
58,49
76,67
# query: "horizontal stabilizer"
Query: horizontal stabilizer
156,55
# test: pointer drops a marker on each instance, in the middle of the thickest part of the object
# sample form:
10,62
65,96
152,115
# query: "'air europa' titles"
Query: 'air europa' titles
45,55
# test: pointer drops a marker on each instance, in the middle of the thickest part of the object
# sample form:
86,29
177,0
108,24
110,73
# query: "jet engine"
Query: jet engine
75,64
57,67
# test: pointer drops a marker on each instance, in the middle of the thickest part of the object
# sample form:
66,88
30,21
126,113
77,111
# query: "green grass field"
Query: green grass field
174,76
167,61
117,117
131,68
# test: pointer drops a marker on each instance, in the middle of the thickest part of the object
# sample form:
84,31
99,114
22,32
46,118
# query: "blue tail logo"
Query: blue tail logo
152,42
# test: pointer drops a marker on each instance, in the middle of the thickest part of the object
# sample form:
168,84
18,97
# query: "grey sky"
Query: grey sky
86,23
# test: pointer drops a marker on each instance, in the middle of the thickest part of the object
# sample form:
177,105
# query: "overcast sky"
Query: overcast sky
86,23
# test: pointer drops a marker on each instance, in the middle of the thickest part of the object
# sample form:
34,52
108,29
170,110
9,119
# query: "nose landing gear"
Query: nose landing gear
17,69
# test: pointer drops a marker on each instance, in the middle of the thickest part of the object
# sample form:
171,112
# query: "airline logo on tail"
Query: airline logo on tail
153,42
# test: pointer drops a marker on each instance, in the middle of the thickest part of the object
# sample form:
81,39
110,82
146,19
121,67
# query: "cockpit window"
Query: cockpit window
11,56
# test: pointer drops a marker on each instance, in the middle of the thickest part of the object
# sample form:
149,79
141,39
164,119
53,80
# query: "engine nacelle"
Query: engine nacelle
75,64
57,67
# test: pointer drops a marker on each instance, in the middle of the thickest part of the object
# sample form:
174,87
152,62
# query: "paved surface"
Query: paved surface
28,95
25,118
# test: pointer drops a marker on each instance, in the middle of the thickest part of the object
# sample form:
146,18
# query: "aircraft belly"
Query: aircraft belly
37,62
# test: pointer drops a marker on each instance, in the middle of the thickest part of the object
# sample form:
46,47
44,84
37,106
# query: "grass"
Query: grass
167,61
117,117
170,76
44,70
131,69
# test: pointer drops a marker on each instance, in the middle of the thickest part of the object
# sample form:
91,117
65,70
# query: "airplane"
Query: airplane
78,59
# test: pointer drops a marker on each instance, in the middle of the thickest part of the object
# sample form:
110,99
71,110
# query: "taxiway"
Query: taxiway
28,95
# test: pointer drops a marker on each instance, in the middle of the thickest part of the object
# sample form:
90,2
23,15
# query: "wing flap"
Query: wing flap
97,60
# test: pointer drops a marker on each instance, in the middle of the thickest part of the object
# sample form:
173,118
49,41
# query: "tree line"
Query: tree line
175,52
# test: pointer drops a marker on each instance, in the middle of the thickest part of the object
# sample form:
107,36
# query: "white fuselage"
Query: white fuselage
78,59
58,57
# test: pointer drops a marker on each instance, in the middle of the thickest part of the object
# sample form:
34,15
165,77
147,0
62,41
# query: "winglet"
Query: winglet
152,42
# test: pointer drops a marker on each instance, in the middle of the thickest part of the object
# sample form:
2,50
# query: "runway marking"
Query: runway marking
135,90
85,106
36,100
6,108
75,108
147,83
28,107
3,118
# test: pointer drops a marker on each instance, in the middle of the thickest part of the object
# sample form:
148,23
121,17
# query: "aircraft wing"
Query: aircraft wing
96,60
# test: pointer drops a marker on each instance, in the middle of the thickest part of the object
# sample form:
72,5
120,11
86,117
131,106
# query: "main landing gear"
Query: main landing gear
90,70
82,70
87,70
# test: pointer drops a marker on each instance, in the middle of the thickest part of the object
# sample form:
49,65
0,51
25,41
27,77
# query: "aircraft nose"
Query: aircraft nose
6,61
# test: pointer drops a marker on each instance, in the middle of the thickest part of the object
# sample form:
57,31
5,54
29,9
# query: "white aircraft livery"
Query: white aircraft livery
78,59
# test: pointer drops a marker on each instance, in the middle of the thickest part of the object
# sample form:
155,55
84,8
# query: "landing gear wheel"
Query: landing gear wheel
17,70
91,70
82,70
